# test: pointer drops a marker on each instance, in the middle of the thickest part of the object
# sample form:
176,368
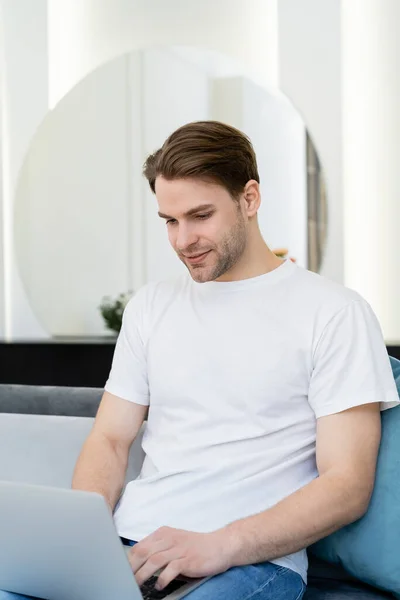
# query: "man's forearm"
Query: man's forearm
101,468
313,512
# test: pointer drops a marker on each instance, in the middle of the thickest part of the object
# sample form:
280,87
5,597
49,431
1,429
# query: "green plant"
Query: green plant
112,310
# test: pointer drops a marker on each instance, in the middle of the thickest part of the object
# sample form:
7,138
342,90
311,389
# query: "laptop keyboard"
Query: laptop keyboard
149,592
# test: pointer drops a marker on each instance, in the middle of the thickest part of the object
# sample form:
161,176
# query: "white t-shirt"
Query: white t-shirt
235,375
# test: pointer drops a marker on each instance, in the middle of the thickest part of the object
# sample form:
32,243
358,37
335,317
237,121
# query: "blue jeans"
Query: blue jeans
263,581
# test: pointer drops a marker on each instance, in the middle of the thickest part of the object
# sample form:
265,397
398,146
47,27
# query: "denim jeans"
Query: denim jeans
263,581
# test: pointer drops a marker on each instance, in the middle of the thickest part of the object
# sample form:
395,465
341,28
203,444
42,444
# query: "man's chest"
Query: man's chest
247,360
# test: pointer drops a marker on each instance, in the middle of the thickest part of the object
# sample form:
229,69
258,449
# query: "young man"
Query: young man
262,384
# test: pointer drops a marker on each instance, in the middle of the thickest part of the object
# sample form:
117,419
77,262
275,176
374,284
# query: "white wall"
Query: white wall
24,77
84,34
310,74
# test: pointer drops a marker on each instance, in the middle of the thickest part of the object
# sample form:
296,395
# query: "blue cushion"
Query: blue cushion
369,549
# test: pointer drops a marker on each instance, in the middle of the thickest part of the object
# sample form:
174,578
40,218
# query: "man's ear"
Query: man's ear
252,197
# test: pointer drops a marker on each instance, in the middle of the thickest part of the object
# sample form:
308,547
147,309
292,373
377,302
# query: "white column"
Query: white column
2,294
371,150
83,34
24,104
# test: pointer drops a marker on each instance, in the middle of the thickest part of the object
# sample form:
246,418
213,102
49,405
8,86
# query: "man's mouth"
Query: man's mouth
197,258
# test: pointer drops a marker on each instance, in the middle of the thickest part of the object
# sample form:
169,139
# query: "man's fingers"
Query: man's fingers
151,566
169,573
140,553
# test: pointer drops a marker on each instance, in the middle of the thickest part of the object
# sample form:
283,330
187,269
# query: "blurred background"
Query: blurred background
89,88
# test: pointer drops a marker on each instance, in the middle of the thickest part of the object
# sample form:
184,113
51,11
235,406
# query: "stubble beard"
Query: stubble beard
228,253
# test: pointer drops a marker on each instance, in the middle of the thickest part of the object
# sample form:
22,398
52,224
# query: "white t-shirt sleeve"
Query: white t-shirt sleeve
351,365
128,376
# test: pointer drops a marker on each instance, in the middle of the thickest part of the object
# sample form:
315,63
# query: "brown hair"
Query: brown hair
207,150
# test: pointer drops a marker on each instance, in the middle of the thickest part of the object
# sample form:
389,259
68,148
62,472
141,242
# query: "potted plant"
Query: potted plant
113,309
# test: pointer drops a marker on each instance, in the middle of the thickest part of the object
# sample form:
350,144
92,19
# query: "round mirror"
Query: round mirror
86,224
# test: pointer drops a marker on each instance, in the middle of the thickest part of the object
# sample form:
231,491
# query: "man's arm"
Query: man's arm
102,463
347,450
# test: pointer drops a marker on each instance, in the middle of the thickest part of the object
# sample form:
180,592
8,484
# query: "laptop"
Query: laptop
60,544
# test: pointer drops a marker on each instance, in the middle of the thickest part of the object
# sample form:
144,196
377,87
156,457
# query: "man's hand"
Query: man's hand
180,552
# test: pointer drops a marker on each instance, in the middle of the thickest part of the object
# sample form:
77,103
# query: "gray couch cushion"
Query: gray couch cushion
48,400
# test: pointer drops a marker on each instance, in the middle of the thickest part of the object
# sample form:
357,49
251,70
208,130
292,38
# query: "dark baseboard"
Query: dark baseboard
54,362
394,351
66,362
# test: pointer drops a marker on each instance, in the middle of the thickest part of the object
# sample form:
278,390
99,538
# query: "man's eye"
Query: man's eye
203,217
171,222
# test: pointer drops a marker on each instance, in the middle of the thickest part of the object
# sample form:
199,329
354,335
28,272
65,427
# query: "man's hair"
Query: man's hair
206,150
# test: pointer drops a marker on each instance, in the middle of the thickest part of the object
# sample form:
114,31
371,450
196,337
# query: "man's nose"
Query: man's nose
186,238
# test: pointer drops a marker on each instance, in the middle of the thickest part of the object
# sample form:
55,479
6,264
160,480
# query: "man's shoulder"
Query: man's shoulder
318,291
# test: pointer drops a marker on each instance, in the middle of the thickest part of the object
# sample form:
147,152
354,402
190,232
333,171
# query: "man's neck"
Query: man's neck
255,262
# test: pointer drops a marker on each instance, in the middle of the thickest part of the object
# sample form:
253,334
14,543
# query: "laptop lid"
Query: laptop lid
61,543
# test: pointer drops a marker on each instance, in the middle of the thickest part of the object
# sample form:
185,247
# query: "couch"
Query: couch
42,430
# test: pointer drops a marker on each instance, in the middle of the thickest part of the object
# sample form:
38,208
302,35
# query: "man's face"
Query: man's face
205,226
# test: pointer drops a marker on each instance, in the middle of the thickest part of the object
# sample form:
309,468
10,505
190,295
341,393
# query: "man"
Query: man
262,385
